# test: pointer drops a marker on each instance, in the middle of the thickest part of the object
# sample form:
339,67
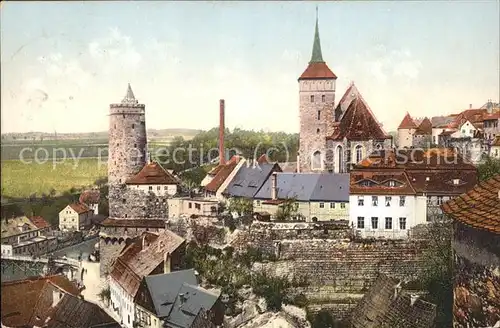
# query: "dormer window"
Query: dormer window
392,183
456,181
366,183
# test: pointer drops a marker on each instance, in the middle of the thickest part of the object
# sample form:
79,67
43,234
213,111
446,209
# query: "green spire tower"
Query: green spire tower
316,57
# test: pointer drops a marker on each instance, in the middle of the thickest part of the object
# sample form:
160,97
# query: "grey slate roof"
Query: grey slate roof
308,187
165,290
248,180
440,120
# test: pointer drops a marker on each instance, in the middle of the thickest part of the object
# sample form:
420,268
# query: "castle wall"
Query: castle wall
476,287
313,131
135,203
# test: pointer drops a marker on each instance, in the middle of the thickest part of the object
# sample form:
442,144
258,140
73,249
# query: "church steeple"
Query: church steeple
317,56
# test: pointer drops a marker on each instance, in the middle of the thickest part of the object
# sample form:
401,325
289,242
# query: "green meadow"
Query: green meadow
21,179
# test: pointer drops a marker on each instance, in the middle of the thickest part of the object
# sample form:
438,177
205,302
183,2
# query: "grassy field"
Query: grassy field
22,180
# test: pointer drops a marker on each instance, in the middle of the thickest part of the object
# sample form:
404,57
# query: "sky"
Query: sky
63,63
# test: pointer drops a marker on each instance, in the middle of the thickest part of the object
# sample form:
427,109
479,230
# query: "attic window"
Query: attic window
392,183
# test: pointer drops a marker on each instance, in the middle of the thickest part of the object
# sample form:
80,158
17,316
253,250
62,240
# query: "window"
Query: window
402,200
258,203
429,200
133,126
471,131
312,98
361,201
124,200
165,187
158,187
359,153
135,145
190,205
402,223
361,222
388,223
374,200
392,183
374,223
321,205
388,201
317,131
319,115
332,205
197,206
440,200
316,161
342,205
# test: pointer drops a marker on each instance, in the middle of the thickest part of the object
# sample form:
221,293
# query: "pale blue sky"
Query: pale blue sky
63,63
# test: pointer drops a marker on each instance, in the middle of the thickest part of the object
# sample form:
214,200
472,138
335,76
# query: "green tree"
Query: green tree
287,210
488,169
241,206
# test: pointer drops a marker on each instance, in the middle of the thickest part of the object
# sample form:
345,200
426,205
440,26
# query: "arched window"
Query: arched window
359,153
340,159
316,160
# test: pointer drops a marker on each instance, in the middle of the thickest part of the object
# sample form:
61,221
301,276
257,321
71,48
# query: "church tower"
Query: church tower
127,147
317,98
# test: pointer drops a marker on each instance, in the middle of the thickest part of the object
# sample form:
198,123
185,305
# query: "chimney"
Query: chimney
470,106
222,154
274,193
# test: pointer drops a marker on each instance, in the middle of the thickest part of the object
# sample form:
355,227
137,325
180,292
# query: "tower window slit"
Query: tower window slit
319,115
133,126
312,98
323,98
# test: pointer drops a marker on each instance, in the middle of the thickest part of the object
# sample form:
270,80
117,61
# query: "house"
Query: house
249,179
476,247
91,198
51,302
29,247
491,126
18,229
495,148
319,196
192,206
75,217
151,253
391,192
41,224
175,300
154,178
386,304
220,177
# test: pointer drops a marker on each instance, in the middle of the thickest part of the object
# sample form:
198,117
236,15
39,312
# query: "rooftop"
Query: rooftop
39,222
249,179
80,208
153,174
479,207
222,173
16,226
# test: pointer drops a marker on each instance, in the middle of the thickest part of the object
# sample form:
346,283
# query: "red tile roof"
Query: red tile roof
39,222
380,183
222,174
153,173
358,123
478,208
142,257
407,122
317,70
493,116
90,196
20,298
425,127
80,208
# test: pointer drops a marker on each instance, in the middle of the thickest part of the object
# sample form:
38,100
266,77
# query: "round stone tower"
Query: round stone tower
127,146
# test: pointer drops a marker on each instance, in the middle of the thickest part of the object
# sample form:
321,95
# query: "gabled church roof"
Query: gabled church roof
317,68
357,122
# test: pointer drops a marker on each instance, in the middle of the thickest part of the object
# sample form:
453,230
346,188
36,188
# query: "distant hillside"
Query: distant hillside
152,133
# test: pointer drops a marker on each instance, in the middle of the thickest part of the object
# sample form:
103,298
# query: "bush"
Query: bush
300,300
271,288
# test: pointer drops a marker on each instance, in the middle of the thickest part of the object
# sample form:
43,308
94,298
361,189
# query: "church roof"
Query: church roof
407,122
358,123
317,68
152,173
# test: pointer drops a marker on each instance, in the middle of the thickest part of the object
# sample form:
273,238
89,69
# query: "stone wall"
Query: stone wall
133,203
476,285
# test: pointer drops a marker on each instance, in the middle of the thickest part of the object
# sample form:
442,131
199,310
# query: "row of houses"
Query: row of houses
384,195
150,287
476,132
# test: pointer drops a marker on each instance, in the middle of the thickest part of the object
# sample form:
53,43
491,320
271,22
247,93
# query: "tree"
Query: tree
488,169
287,210
241,206
437,273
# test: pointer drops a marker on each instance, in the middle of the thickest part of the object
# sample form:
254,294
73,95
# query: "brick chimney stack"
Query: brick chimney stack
222,154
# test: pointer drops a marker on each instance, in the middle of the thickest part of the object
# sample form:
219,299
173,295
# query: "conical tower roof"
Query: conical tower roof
407,122
129,96
317,68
